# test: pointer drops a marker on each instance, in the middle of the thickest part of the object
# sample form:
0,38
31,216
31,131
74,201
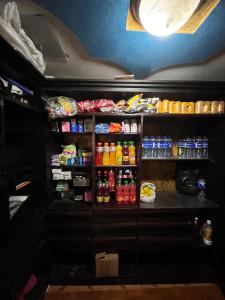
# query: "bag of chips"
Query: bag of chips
60,106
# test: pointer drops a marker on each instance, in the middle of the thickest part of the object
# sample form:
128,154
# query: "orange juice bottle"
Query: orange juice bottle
105,160
119,154
131,153
112,154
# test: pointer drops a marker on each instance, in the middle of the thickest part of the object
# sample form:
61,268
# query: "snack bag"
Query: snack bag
60,106
134,104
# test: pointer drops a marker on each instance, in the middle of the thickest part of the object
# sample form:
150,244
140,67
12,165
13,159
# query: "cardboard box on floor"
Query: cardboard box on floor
106,265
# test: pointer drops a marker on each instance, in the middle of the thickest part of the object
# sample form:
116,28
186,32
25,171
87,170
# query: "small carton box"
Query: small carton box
106,265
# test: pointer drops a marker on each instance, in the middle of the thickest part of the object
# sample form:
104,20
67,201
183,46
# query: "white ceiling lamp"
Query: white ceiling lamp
163,17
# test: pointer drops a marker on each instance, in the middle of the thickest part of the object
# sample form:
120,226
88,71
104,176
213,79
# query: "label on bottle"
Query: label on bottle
132,160
125,159
99,199
207,237
106,199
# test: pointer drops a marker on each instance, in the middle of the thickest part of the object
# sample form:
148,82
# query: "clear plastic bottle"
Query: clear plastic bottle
159,149
192,147
99,151
105,160
155,147
169,148
131,149
125,154
133,194
150,147
119,193
144,153
205,144
207,233
119,154
199,147
188,147
99,192
106,196
111,178
112,154
126,194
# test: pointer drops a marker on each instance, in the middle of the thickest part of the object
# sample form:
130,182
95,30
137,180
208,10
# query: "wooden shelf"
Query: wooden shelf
21,104
117,166
113,205
147,115
118,134
174,200
71,133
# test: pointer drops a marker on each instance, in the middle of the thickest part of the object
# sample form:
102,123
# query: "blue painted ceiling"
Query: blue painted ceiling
101,27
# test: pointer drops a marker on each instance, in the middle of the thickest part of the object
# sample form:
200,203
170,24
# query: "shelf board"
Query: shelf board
71,133
118,134
113,205
117,166
71,167
148,115
21,104
174,200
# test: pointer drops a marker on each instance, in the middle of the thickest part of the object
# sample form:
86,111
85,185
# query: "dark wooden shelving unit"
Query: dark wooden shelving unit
143,233
157,243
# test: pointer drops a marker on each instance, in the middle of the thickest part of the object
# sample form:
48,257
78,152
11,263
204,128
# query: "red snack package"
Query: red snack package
104,105
86,106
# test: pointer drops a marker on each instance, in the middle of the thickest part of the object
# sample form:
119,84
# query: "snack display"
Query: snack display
59,107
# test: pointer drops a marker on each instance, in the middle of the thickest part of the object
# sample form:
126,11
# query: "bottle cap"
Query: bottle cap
118,143
125,143
208,222
126,182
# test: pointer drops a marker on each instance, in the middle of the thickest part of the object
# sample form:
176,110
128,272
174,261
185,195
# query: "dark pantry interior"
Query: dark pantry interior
135,202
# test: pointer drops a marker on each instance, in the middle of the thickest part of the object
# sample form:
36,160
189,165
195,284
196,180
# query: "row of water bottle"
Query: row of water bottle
196,147
165,147
156,147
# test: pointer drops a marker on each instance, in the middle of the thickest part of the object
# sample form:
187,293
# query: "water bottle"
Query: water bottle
144,147
188,148
150,149
198,147
192,148
184,147
160,146
205,144
169,148
155,147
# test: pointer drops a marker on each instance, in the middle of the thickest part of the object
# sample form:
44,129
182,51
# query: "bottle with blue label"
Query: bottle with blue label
201,187
205,145
145,147
73,125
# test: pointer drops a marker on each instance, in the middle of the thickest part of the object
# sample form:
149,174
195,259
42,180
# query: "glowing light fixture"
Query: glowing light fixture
163,17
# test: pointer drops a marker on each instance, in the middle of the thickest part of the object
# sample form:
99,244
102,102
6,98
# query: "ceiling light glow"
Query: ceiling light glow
164,17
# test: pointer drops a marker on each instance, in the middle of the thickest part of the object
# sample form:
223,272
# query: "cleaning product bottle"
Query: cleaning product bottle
133,194
111,180
99,192
119,193
106,197
125,154
207,233
119,154
105,159
131,149
98,158
112,154
126,195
